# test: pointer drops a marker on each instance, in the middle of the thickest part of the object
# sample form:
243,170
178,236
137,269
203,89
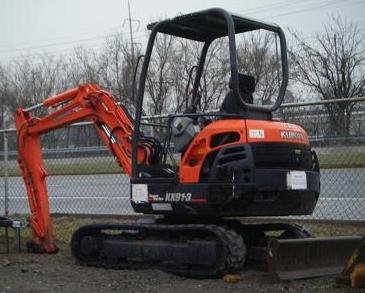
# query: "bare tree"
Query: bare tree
25,82
158,80
28,82
332,65
168,74
117,68
256,55
183,59
6,98
83,66
214,80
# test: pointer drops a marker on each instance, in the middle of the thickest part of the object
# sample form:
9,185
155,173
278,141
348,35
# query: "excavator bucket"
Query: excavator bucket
310,257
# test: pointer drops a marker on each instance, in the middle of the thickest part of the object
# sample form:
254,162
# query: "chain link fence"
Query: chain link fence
337,134
85,179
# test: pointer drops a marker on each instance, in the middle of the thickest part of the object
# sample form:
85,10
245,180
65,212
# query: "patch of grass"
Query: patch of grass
82,168
335,229
339,159
342,160
64,226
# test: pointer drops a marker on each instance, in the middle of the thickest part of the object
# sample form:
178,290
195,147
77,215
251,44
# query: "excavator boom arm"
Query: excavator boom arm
85,103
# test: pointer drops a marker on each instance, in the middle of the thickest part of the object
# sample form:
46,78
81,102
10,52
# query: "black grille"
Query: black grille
275,155
229,163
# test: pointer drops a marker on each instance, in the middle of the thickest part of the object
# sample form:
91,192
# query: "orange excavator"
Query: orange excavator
235,162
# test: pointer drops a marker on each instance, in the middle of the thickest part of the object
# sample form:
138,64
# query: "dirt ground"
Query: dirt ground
22,272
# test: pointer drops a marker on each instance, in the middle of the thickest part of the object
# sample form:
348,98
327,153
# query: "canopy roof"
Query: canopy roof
208,25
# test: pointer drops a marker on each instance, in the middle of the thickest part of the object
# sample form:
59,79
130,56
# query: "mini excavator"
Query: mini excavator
235,162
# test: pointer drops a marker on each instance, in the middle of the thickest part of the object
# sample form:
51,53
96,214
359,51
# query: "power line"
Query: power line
64,37
51,45
103,36
334,3
263,8
257,9
38,55
61,43
69,50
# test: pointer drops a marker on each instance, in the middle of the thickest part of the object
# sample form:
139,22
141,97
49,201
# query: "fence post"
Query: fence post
6,173
6,187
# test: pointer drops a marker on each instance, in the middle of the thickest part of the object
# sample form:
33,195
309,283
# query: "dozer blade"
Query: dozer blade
310,257
354,271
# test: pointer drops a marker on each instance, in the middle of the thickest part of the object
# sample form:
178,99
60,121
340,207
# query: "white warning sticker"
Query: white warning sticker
256,133
296,180
161,207
139,193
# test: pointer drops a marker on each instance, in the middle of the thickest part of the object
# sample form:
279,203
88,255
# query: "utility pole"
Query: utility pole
2,115
132,59
130,30
130,21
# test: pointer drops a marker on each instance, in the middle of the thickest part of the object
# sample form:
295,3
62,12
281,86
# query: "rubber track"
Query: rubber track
231,260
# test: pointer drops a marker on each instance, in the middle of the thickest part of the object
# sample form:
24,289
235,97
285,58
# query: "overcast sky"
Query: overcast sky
55,26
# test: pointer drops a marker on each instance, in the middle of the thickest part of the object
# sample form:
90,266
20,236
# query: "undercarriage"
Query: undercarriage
192,249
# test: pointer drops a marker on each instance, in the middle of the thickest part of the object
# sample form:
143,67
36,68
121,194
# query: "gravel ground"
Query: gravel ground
59,273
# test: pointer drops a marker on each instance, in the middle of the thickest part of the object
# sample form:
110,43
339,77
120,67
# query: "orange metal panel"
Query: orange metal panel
200,147
274,131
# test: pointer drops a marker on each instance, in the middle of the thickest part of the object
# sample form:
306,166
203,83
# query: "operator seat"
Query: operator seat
246,87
